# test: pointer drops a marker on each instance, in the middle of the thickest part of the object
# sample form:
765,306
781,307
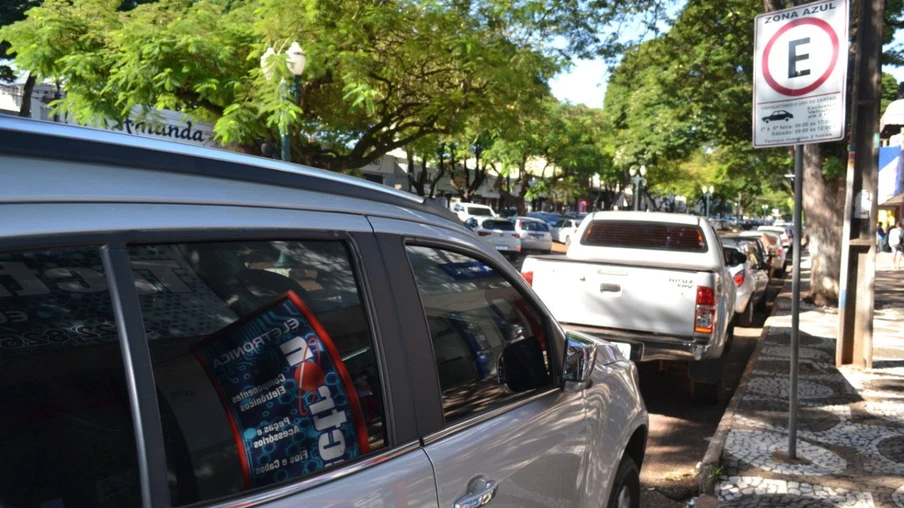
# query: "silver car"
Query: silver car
534,234
184,325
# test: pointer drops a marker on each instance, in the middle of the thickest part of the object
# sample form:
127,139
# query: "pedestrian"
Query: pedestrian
894,241
880,237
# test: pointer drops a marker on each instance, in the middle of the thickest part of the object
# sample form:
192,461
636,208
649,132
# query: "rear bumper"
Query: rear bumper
650,346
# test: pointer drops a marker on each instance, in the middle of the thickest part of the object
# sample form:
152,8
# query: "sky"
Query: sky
585,82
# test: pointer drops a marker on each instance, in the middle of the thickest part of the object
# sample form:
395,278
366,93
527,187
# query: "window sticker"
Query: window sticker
468,271
290,401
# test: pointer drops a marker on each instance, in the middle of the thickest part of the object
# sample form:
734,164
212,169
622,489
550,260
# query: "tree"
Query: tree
690,90
380,75
889,91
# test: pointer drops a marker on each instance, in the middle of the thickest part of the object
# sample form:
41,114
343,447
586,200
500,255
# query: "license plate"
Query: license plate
503,247
536,235
623,348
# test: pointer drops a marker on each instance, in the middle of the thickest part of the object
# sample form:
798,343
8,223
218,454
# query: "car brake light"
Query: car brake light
483,233
529,277
739,279
778,252
515,235
705,311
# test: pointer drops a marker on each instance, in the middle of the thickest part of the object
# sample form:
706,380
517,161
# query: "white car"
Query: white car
501,234
563,230
782,232
534,234
750,288
774,248
467,210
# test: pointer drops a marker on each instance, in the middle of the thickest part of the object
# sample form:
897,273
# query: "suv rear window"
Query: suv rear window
530,225
502,225
645,235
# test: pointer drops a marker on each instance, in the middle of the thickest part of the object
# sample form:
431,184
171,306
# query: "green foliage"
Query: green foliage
11,11
379,75
889,91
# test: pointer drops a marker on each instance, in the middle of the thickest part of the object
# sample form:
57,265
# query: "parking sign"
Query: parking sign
799,76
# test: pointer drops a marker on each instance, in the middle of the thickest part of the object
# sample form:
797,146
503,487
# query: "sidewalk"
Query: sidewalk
850,423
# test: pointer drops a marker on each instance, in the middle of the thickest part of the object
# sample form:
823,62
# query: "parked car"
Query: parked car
499,233
534,234
755,248
185,325
775,253
785,234
564,229
657,283
467,210
549,218
750,280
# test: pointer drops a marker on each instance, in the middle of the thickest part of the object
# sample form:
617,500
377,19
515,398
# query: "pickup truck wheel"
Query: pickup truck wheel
705,392
626,488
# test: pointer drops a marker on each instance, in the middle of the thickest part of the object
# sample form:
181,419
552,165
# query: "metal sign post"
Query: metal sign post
800,76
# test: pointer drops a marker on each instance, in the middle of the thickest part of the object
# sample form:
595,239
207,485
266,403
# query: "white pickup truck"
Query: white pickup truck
656,285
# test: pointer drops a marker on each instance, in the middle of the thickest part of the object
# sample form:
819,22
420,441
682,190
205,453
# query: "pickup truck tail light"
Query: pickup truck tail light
529,277
705,314
483,233
515,235
739,278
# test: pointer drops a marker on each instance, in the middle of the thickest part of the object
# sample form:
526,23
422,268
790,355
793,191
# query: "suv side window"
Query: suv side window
263,359
66,434
489,342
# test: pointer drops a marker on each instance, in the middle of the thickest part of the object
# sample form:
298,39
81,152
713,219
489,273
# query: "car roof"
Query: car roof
140,170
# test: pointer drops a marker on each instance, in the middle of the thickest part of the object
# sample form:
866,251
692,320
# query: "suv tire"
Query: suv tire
626,488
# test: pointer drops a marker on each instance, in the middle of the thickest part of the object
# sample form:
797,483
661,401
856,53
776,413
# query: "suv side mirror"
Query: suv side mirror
471,223
520,366
580,358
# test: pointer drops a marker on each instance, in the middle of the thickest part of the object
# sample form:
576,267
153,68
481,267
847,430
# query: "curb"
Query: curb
713,457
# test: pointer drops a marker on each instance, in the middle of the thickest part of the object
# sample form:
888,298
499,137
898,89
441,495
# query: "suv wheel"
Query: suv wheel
626,488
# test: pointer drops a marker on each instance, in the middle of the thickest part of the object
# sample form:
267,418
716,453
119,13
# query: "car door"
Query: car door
264,368
522,444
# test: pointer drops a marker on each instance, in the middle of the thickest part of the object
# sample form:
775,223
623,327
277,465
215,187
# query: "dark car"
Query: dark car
778,115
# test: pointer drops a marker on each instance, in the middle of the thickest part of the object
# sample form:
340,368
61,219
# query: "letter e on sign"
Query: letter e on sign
800,71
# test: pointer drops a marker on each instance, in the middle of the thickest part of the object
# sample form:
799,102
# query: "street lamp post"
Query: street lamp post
637,178
295,61
708,194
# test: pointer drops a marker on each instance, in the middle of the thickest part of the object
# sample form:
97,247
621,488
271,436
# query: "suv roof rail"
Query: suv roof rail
35,138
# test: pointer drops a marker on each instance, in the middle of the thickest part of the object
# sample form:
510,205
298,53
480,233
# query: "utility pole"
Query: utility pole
858,249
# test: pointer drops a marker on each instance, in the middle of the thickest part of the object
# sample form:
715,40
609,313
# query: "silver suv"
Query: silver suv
182,325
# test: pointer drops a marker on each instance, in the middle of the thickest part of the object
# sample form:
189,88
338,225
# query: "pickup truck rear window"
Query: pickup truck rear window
645,235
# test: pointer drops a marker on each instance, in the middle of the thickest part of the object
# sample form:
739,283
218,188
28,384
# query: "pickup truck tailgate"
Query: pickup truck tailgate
624,297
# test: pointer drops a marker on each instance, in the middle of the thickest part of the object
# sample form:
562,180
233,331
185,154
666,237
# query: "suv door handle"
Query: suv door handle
480,492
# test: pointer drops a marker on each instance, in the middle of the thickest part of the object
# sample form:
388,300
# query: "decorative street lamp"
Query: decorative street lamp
637,178
708,194
295,61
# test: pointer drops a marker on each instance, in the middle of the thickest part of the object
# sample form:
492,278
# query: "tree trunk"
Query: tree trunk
824,210
25,109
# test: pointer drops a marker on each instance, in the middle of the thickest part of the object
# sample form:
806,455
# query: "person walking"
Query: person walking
894,241
880,237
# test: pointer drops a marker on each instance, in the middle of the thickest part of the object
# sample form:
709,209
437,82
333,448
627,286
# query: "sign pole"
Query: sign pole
795,300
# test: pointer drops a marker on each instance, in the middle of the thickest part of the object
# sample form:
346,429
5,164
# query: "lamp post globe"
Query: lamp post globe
295,62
